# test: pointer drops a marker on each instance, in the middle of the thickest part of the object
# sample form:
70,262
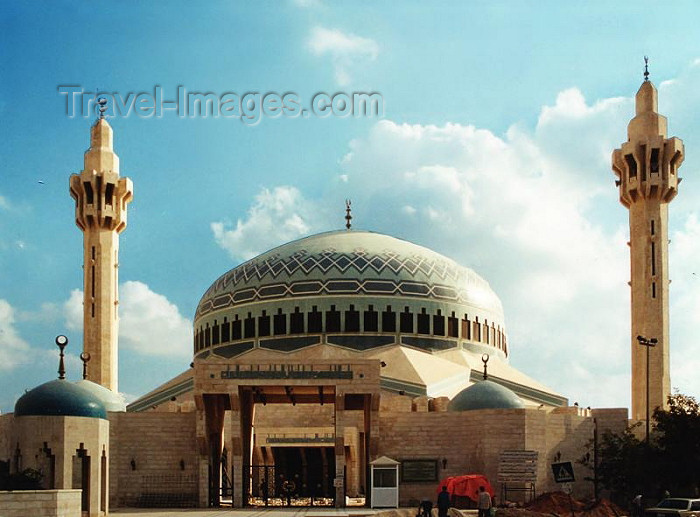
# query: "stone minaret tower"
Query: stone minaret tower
100,212
647,170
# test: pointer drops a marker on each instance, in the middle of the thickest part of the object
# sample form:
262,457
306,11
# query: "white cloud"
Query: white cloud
536,212
346,50
48,313
149,324
685,307
13,349
278,216
517,210
73,310
4,203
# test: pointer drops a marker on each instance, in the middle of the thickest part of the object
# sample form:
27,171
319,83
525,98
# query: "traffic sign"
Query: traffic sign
563,472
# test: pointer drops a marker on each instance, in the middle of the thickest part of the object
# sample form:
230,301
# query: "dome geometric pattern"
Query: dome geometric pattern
349,262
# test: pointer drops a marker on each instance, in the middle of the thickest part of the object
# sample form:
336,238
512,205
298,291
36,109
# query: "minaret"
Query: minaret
101,197
647,170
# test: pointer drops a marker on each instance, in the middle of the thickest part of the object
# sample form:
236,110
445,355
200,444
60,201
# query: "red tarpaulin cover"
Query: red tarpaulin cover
465,486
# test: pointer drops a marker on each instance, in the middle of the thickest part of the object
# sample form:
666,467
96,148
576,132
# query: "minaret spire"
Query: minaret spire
646,68
647,170
101,197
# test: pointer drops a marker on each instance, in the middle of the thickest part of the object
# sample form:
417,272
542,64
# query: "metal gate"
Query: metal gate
268,485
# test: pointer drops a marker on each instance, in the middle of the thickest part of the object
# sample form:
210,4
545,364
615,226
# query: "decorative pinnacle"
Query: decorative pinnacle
485,360
348,217
61,341
646,68
103,106
85,357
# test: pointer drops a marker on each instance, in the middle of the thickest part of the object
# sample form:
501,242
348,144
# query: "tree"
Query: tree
677,440
621,465
627,465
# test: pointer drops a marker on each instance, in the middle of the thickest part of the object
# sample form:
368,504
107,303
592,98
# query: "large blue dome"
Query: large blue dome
60,398
485,395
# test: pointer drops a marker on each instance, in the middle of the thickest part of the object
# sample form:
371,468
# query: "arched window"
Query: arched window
314,321
388,320
371,320
296,322
280,323
438,324
406,321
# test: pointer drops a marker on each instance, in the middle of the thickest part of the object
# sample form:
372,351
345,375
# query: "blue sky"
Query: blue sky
494,148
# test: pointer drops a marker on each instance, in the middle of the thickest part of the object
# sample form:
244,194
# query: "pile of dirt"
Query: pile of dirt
604,508
555,502
558,503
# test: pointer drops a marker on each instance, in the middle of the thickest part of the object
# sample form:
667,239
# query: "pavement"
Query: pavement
247,512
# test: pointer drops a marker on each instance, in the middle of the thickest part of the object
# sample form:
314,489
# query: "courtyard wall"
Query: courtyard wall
163,449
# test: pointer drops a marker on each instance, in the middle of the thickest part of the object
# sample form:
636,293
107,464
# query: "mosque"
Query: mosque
332,367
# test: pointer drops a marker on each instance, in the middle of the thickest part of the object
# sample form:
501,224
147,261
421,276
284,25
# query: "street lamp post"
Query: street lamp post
647,343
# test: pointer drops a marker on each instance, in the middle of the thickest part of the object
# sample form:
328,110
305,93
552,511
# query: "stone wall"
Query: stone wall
471,442
6,446
40,503
163,449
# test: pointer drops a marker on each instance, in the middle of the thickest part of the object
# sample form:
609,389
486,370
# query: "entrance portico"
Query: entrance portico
237,385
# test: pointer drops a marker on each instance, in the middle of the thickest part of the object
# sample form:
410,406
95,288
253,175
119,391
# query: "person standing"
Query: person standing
484,502
637,506
443,502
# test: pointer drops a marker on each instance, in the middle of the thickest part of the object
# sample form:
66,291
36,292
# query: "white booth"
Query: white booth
385,483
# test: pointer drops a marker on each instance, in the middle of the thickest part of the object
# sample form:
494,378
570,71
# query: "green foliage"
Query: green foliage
28,479
677,438
621,467
627,465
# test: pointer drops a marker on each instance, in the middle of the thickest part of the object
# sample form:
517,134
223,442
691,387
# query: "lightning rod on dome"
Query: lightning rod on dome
348,217
646,68
61,342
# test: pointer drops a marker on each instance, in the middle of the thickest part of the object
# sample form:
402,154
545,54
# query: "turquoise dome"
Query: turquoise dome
111,400
60,398
485,395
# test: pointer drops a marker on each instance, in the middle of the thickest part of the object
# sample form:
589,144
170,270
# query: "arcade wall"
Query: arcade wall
153,459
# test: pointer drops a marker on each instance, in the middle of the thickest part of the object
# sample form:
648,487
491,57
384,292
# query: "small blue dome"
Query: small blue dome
111,400
60,398
485,395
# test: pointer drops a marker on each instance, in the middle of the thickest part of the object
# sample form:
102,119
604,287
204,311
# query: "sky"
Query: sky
492,147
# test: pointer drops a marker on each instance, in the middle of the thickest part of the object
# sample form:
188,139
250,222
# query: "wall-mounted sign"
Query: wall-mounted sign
419,470
517,466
